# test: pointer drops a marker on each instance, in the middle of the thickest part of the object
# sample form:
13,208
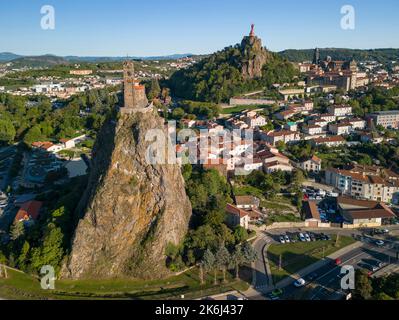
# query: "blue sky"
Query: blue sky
161,27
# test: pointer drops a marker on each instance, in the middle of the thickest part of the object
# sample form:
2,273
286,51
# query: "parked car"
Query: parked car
287,239
312,276
337,261
312,237
328,237
379,243
367,267
318,236
282,240
378,264
307,238
299,283
302,237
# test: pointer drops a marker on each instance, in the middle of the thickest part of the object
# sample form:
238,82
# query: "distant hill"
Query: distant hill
106,59
38,61
49,59
384,56
8,56
234,70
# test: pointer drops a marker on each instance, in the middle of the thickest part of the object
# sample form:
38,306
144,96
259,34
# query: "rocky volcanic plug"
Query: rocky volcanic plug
131,209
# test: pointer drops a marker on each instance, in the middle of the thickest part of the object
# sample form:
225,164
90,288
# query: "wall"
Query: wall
248,102
283,225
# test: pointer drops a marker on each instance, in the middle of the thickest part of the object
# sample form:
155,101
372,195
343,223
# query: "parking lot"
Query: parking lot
326,203
292,237
324,282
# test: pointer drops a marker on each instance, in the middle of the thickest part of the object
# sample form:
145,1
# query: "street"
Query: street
323,282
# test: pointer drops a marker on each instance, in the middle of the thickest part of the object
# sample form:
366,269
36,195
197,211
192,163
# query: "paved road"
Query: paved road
261,277
327,283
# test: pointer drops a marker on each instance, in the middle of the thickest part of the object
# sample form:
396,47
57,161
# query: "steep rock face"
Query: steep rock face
131,209
254,57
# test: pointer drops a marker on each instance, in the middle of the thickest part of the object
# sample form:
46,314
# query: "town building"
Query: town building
311,165
273,137
285,115
312,129
247,202
340,128
274,166
29,211
332,141
311,214
357,123
47,146
81,72
319,122
387,119
361,184
253,120
237,217
362,213
340,110
291,126
329,117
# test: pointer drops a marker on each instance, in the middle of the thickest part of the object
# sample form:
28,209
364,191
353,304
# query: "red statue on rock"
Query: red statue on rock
252,33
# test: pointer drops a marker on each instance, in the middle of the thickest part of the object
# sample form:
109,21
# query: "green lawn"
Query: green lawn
248,190
282,218
296,256
22,286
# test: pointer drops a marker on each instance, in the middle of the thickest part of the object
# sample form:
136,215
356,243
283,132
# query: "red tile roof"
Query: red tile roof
230,209
311,211
29,210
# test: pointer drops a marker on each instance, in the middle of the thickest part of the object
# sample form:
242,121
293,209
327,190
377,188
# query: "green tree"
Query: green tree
240,234
249,253
3,258
17,230
23,259
154,90
209,263
7,131
178,113
363,284
222,257
51,251
33,134
237,259
383,296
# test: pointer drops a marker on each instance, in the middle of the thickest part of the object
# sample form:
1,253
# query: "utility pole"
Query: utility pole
324,252
280,262
337,240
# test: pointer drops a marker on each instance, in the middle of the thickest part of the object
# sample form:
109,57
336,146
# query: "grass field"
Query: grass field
22,286
296,256
289,217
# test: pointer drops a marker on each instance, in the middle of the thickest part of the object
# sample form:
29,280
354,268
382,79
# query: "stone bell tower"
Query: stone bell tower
135,98
128,85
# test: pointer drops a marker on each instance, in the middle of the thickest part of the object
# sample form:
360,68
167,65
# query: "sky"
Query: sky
163,27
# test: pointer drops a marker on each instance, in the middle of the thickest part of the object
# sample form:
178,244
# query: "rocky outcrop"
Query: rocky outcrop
131,209
254,57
